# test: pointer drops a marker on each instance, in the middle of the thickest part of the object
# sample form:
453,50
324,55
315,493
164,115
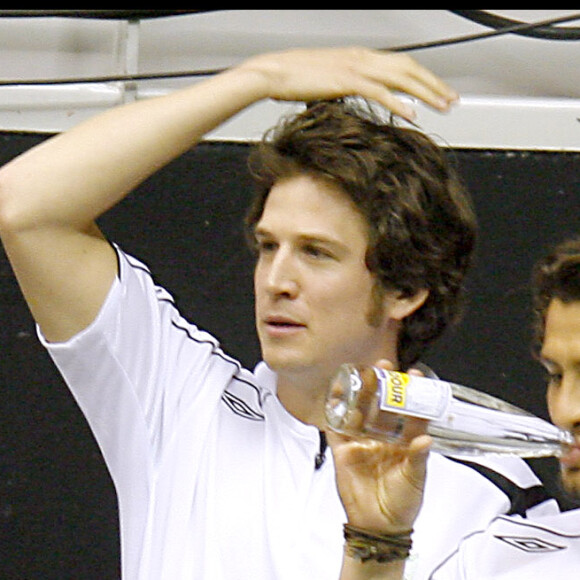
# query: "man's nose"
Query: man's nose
564,402
282,278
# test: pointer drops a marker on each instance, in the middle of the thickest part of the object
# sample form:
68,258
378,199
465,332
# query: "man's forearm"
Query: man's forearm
78,175
353,569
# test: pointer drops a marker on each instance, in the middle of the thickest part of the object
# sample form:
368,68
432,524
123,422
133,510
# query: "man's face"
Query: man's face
313,289
561,357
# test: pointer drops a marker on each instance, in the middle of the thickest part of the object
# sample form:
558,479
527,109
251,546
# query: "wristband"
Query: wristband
363,545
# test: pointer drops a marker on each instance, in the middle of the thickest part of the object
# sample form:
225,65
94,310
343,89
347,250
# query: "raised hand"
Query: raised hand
303,74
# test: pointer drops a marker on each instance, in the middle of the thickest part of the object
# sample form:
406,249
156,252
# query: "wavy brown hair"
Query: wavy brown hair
421,224
557,275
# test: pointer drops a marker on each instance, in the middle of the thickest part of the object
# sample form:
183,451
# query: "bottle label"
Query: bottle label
412,395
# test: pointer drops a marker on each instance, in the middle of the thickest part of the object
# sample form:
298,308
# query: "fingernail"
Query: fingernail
409,113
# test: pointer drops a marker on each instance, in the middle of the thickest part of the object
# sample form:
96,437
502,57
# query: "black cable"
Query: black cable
182,74
486,18
512,29
114,78
98,14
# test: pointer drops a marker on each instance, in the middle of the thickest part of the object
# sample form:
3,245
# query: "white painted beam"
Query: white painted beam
481,122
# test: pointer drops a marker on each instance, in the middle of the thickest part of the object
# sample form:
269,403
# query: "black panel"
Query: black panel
57,504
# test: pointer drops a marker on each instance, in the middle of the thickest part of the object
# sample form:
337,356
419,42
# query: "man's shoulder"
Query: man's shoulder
509,477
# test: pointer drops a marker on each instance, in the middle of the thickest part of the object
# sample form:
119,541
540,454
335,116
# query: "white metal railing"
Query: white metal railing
476,122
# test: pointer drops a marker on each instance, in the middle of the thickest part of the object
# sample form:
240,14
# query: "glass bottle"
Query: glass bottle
373,402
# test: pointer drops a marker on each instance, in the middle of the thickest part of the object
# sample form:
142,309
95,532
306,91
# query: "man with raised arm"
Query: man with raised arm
362,233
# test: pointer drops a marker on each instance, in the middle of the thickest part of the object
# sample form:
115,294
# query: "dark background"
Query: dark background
58,515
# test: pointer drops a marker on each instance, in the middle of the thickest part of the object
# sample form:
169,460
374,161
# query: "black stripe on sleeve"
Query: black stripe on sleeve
521,498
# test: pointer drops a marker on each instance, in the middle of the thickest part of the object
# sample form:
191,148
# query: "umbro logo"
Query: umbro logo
530,544
240,407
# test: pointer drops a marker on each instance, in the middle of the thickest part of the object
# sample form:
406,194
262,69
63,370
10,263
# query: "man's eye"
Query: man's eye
553,379
316,252
263,246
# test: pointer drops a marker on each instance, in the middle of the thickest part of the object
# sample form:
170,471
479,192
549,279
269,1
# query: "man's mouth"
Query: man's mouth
281,324
282,321
570,460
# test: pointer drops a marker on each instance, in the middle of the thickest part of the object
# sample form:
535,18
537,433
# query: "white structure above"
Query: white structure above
516,92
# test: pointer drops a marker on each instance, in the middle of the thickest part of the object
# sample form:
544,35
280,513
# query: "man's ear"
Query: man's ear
400,307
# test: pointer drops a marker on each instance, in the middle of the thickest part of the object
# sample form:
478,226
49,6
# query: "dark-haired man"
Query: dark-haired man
362,233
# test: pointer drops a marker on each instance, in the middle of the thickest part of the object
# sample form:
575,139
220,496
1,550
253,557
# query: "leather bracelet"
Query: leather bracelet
363,545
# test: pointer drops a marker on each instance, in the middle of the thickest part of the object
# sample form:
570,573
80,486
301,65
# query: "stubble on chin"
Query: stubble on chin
570,480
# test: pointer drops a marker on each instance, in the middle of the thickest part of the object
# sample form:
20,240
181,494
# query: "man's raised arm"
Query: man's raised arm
51,195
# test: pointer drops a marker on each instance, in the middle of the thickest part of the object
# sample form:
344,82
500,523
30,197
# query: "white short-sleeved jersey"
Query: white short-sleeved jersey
215,479
514,548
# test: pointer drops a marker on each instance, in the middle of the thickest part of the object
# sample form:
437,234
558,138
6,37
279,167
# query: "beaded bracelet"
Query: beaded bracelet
364,545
